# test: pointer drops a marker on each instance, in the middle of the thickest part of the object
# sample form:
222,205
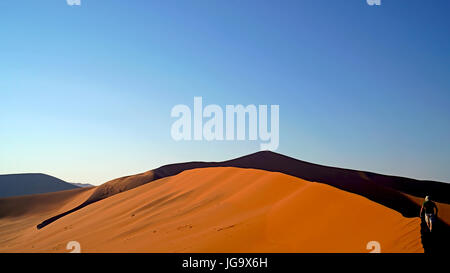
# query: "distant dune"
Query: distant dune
341,203
219,210
82,185
31,183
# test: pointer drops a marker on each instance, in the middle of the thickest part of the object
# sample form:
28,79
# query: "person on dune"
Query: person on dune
429,208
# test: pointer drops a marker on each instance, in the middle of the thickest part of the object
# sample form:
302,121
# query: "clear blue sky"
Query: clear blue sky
86,92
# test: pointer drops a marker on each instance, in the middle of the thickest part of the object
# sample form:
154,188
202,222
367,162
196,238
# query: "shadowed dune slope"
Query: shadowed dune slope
391,191
19,214
223,210
43,203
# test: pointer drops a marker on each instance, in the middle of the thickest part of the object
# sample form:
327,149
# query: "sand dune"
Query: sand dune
31,183
398,193
114,216
215,210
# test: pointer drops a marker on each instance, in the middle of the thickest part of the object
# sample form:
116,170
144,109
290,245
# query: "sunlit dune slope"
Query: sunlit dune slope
223,209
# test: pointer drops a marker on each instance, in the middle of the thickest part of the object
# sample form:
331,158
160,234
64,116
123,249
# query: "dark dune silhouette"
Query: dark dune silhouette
31,183
391,191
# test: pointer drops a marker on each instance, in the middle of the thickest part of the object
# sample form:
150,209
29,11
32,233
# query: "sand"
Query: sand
222,209
398,193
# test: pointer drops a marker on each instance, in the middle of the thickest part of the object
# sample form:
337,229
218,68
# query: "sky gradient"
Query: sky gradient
86,91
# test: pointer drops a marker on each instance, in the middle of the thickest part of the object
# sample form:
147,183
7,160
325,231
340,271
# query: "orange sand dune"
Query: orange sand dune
401,194
223,209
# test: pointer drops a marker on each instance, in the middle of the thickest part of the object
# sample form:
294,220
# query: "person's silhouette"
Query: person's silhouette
429,208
